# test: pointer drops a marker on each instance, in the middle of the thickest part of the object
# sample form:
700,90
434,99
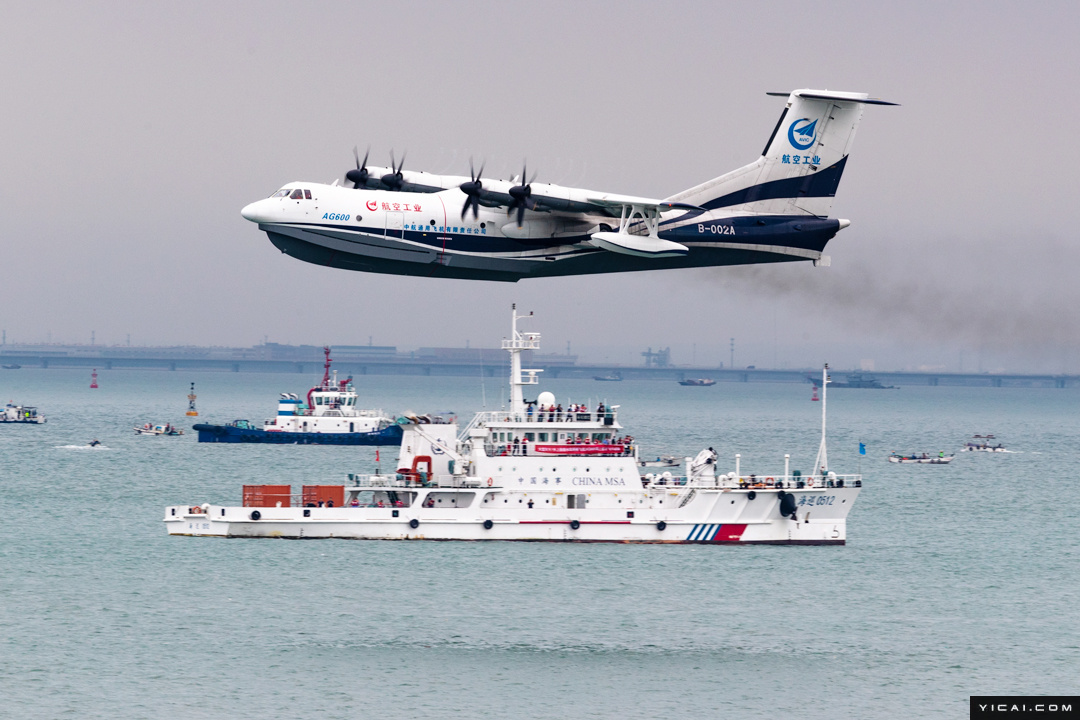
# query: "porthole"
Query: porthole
432,223
358,218
482,225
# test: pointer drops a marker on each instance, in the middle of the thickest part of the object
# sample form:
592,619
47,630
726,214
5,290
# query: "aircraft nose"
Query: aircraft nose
251,212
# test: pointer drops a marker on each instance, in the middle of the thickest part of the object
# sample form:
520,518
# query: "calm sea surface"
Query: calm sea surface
956,580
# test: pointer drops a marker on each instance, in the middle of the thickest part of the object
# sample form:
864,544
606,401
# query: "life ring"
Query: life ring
770,480
574,524
490,482
661,526
255,515
196,510
414,523
488,524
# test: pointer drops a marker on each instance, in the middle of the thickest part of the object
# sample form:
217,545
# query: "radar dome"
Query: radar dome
545,398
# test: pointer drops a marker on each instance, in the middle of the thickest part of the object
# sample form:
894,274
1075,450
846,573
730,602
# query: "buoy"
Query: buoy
93,380
814,397
191,411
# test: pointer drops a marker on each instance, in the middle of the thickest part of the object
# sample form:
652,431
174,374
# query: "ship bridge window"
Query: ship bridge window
307,194
281,193
297,194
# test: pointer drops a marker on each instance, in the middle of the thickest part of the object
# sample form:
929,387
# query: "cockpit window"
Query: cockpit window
281,193
307,194
297,194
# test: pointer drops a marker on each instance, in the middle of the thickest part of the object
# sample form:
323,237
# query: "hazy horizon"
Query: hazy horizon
134,135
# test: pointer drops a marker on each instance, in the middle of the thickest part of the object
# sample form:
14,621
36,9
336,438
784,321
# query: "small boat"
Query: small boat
923,459
165,429
697,382
12,367
613,377
983,443
861,382
662,461
21,414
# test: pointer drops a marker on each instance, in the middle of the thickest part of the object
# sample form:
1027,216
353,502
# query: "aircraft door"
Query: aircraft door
395,224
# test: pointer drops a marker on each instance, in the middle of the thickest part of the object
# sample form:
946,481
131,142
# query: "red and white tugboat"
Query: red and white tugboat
541,470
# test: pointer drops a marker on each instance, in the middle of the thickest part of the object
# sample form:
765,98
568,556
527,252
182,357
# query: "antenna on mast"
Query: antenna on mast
822,461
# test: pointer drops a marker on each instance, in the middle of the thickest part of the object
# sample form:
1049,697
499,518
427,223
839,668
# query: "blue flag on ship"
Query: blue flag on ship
862,448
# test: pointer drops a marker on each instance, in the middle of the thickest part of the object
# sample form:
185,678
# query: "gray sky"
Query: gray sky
132,134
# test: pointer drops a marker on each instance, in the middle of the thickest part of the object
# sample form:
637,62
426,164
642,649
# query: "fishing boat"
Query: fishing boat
697,382
21,414
159,429
923,459
983,443
613,377
12,367
531,472
328,415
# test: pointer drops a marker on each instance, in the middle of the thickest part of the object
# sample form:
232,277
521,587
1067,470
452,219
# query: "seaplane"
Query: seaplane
404,222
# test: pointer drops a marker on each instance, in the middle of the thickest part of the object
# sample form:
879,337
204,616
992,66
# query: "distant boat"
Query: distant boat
613,377
12,367
662,461
159,429
698,382
864,382
924,459
982,443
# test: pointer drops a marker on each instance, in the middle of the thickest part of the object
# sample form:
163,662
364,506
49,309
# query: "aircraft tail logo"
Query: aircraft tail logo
802,136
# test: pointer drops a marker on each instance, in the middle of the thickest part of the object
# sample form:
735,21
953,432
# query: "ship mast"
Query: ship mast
517,343
326,368
822,461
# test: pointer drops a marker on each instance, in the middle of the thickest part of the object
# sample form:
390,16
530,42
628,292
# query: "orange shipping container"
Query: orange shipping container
267,495
313,494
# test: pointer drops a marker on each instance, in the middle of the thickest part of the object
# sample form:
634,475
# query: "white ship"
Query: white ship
533,472
21,414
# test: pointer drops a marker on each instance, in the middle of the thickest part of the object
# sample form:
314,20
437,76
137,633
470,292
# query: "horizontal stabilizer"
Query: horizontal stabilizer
837,96
639,245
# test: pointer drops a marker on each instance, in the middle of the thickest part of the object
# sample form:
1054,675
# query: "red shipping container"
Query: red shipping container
313,494
267,495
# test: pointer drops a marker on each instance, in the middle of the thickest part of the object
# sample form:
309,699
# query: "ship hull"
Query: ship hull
720,518
390,435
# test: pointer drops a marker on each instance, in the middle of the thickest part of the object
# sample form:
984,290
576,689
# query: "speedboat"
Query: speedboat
698,382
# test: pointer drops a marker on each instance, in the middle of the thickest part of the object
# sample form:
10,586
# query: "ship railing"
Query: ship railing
441,480
607,417
754,481
572,450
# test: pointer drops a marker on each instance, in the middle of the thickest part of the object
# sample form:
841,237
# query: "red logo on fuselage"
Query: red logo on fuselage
372,205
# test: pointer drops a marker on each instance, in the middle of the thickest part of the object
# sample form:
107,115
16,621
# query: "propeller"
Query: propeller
472,190
359,176
394,180
522,197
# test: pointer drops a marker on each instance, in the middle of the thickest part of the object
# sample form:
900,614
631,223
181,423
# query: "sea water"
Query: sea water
956,580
